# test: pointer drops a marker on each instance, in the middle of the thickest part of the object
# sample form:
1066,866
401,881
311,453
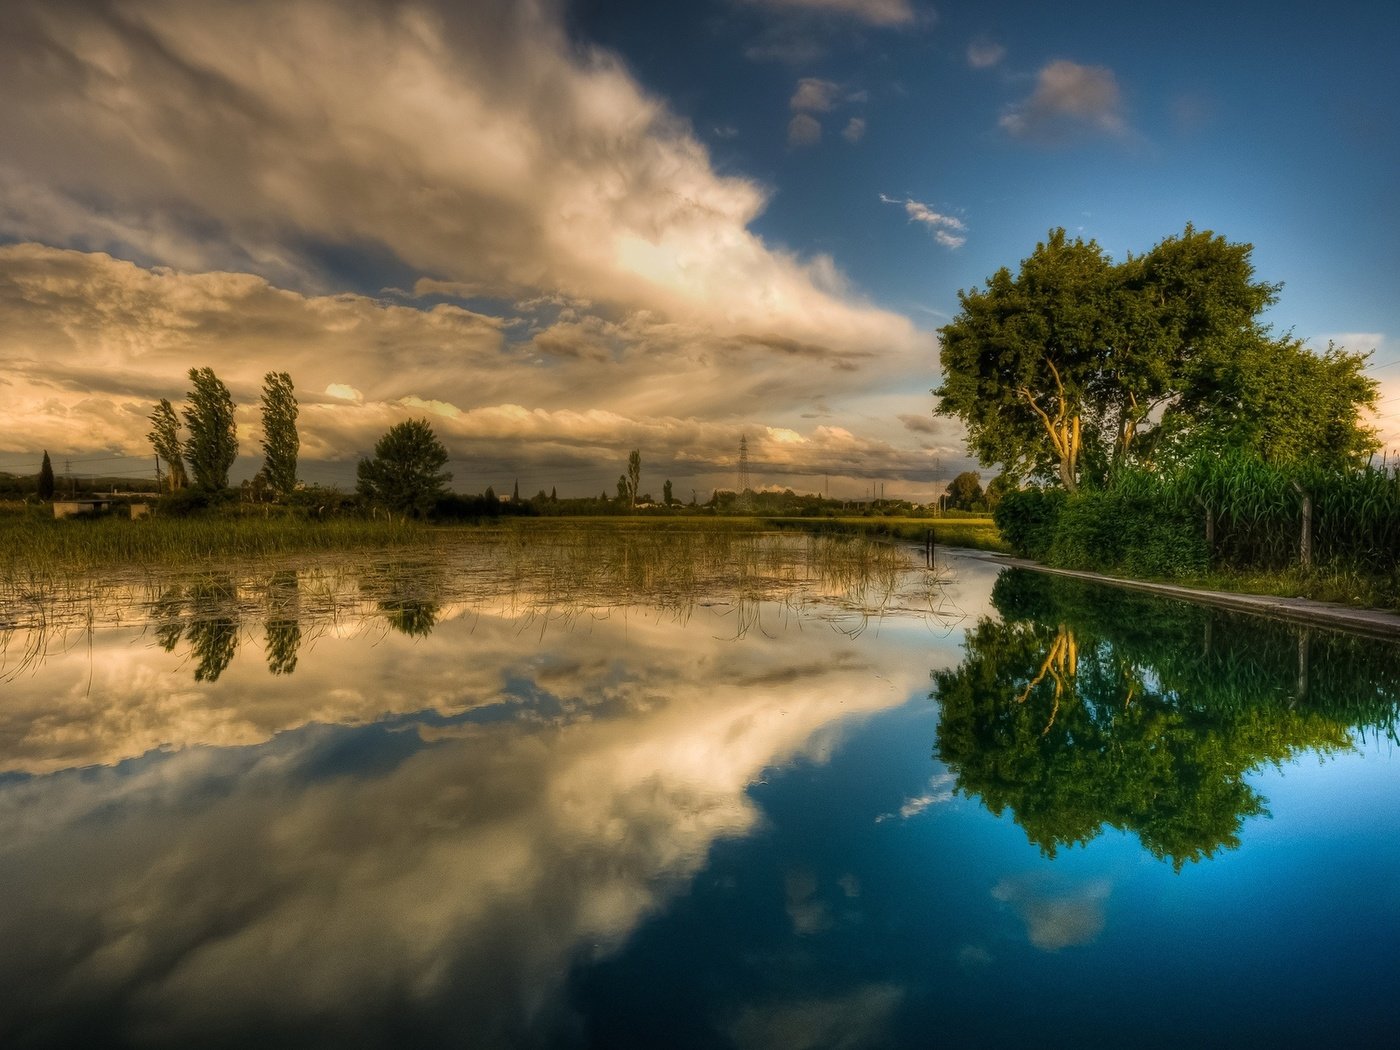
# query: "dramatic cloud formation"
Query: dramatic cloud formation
578,270
947,230
1067,98
91,341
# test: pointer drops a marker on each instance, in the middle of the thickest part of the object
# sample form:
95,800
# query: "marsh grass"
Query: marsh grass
978,533
34,544
539,572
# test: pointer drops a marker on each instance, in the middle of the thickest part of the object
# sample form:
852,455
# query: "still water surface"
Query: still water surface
823,802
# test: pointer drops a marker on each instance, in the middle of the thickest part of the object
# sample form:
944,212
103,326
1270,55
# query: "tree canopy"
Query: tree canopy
965,491
1077,365
165,439
213,442
280,442
405,473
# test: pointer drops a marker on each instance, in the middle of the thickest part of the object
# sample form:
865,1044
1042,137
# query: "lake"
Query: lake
687,790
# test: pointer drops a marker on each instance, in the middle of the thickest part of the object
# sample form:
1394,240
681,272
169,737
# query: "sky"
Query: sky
562,230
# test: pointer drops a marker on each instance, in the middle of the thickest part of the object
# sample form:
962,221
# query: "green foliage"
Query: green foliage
1027,518
965,491
1083,708
1277,402
165,439
1127,529
213,442
406,473
1077,368
45,484
280,442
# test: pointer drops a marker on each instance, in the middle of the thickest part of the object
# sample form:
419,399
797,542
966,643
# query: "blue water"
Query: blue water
639,829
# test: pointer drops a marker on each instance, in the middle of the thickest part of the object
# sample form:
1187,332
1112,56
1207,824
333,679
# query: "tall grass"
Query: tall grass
33,543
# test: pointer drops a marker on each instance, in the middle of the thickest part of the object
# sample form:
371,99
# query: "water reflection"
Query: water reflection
282,629
1082,708
375,856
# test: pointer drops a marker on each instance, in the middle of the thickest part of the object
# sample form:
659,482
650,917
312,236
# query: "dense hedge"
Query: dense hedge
1155,523
1027,519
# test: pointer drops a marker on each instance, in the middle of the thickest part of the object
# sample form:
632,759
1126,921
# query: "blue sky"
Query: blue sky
564,230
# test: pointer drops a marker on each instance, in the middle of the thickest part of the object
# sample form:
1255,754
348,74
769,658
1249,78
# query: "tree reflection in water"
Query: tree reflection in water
1089,707
282,628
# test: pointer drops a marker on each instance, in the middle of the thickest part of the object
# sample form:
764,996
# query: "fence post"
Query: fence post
1305,530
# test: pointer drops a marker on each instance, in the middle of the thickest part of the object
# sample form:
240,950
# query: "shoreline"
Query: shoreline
1308,611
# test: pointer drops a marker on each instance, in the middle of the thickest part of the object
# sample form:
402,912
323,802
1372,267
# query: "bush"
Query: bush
1127,530
191,501
1026,519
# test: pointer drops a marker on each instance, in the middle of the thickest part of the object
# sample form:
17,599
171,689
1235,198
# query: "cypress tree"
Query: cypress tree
46,478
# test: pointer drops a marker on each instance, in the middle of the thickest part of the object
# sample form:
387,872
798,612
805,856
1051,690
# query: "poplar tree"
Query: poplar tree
165,439
213,443
280,443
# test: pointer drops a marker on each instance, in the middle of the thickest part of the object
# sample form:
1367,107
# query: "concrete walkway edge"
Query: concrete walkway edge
1299,610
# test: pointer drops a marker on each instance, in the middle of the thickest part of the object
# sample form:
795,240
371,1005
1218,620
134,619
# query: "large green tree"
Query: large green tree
1279,402
280,442
1071,365
406,472
165,439
213,442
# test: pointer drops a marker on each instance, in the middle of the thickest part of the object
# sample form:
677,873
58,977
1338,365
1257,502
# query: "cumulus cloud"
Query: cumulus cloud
871,12
854,130
567,245
488,151
1068,98
88,342
983,53
948,230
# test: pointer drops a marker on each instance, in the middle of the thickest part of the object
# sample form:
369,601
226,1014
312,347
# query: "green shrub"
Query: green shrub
1130,529
1026,519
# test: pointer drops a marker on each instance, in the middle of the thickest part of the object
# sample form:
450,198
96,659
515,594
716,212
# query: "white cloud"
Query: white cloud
88,343
1068,98
814,95
488,152
948,230
804,130
344,392
491,158
854,130
984,54
872,12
